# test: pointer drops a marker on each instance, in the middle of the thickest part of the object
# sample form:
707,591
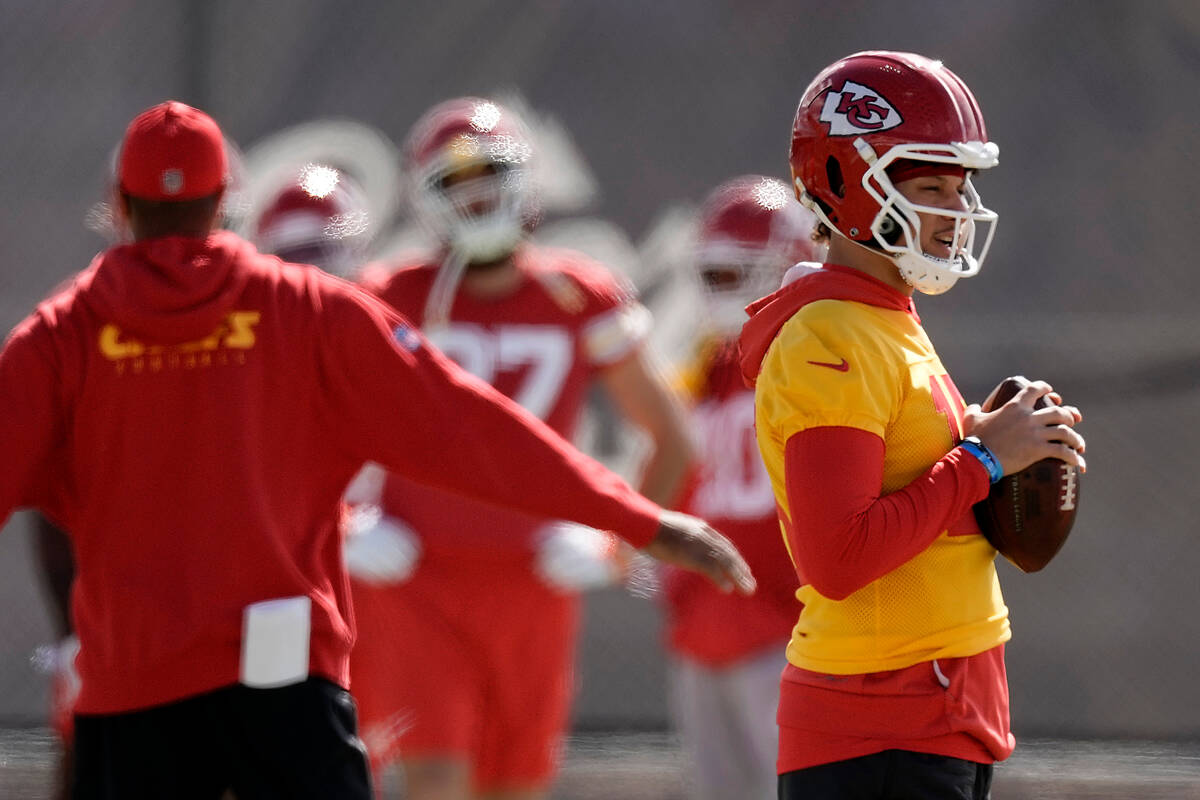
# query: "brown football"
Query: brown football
1028,515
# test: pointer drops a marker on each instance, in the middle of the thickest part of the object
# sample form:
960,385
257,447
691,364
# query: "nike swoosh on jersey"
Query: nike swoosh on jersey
842,367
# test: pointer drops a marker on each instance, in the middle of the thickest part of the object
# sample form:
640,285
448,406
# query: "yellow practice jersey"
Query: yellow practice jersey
840,362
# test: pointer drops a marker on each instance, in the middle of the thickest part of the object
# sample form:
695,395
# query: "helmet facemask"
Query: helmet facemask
732,276
896,229
481,217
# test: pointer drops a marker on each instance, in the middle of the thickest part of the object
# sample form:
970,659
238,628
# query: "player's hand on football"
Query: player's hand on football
379,549
691,543
1019,434
575,558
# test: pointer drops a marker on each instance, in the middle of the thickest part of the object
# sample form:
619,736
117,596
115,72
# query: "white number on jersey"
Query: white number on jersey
736,484
545,349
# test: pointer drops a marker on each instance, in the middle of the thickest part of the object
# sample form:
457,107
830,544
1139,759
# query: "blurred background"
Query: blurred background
1089,283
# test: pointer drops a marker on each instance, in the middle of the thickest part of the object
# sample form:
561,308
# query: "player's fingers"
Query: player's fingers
738,570
1068,436
718,560
1065,453
1030,393
1057,415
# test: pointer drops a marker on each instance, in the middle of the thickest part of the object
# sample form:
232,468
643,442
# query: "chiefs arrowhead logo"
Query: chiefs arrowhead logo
856,109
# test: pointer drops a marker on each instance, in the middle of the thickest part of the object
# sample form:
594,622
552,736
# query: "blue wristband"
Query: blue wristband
986,457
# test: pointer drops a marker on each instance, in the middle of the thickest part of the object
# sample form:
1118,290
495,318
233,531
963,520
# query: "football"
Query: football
1028,515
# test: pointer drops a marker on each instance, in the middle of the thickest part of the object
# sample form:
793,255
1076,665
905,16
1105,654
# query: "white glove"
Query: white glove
379,549
575,558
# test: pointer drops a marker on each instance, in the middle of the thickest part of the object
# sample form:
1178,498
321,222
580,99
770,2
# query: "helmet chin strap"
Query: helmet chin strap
916,272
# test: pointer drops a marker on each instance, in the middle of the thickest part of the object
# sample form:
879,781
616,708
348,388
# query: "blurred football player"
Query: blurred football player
729,651
319,218
895,685
488,600
186,396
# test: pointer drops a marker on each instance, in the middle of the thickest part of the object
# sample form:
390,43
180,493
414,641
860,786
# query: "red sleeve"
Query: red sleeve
29,416
842,533
398,401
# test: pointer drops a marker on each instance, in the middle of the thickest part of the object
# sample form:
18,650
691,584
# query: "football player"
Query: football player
729,651
895,685
464,662
320,218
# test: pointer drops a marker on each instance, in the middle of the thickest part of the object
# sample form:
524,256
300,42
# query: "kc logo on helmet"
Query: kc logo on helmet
856,109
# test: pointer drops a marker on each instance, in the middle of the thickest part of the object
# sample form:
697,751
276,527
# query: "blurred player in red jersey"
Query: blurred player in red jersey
895,685
729,651
191,411
489,599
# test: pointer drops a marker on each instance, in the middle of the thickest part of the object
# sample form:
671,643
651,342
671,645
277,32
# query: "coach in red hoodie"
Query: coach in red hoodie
191,410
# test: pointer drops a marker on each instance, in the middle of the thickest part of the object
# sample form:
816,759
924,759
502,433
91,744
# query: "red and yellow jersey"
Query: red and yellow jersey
840,363
732,491
869,366
901,647
541,345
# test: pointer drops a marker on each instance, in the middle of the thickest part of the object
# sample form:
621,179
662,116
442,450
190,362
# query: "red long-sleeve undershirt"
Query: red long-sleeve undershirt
842,533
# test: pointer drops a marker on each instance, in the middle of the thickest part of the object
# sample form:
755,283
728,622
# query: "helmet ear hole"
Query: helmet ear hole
889,230
826,209
833,172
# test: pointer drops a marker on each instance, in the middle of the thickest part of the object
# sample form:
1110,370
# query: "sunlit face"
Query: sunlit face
936,191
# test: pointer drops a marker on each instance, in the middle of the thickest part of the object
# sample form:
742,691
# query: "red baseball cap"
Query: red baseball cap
172,152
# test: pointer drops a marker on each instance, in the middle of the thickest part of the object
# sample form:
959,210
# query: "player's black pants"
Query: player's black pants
298,741
890,775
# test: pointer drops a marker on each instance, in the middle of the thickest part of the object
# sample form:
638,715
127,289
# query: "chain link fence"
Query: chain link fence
1089,284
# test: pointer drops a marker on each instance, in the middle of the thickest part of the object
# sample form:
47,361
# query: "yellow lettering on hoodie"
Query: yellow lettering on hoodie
114,348
241,329
236,332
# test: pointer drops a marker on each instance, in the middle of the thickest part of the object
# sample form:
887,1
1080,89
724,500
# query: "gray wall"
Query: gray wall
1090,283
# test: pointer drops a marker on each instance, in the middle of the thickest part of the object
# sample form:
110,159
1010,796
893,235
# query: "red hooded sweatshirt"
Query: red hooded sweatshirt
191,410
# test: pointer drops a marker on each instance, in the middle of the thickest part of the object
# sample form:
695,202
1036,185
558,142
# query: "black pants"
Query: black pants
298,741
890,775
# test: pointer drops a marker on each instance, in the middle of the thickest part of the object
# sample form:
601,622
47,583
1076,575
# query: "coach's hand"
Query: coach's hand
691,543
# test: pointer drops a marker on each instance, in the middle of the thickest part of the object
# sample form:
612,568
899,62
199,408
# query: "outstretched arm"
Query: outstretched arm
401,403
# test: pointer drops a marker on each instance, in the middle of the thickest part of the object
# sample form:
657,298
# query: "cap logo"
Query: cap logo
856,109
172,181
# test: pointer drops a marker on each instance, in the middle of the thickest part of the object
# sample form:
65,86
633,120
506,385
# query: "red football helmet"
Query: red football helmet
320,218
751,230
859,117
484,216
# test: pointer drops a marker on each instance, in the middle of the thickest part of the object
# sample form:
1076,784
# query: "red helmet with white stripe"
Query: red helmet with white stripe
320,218
878,112
483,216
